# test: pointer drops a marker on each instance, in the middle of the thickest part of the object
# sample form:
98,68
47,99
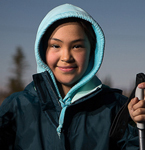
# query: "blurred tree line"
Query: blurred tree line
15,82
108,81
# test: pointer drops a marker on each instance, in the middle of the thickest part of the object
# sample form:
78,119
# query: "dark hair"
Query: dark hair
87,27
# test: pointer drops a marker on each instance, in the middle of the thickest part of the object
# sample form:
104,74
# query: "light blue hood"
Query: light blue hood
65,11
61,12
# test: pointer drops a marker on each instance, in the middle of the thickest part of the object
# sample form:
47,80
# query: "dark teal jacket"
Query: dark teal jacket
29,120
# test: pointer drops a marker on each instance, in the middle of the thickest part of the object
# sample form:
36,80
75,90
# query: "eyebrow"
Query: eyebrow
78,40
56,39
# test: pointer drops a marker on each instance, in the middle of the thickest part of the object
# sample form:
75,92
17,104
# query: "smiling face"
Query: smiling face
67,54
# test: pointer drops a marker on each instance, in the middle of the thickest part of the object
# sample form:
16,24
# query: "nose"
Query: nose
66,55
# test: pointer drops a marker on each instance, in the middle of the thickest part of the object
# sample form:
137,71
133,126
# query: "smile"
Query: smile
67,69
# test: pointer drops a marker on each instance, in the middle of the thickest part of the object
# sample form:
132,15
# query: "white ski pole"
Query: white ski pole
141,126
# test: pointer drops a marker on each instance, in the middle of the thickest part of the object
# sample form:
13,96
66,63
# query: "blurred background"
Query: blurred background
123,23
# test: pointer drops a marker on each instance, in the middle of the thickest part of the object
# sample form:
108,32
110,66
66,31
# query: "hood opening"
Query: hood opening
87,27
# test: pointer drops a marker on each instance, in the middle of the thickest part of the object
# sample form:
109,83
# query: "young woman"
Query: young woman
66,107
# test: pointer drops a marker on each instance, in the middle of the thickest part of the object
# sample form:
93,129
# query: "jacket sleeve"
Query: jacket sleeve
130,140
7,125
124,134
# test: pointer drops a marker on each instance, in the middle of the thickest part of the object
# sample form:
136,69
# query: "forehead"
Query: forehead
73,29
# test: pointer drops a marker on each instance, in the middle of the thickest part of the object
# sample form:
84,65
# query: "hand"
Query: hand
137,107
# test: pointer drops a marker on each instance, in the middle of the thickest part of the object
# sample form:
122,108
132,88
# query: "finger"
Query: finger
139,118
132,103
130,106
139,104
142,85
139,111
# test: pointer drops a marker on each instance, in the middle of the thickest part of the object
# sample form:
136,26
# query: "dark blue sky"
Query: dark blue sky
123,23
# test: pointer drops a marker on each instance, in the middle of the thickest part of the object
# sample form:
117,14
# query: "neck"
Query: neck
64,89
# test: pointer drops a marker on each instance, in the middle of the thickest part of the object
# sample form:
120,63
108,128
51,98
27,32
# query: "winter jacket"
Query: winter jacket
39,118
29,120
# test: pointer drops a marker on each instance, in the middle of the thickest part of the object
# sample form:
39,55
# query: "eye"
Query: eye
78,46
55,46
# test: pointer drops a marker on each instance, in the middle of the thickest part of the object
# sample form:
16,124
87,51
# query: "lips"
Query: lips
67,68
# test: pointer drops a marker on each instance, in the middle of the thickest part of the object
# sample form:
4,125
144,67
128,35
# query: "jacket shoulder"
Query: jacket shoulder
114,93
28,95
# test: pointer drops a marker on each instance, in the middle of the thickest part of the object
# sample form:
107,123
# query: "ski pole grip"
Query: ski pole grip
140,94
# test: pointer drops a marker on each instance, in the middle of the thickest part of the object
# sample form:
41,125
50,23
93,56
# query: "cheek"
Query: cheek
83,61
51,59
